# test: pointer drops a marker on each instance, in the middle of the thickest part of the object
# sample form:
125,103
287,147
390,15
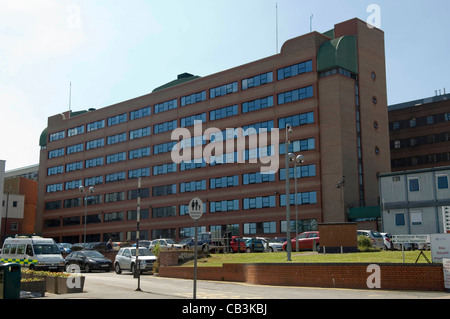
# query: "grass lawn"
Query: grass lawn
216,260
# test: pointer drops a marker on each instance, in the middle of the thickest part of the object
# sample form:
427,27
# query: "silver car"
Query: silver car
374,236
126,259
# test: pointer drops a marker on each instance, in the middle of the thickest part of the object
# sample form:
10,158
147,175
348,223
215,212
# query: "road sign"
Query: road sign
411,239
440,247
195,208
446,218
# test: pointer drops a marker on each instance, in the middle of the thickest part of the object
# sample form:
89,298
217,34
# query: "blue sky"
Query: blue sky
113,50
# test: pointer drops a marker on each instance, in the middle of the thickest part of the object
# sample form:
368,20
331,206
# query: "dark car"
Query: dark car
254,245
88,260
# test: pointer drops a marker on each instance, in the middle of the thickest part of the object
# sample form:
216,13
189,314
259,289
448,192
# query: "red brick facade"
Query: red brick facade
427,277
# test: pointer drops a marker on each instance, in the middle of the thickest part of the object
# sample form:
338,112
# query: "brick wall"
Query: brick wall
425,277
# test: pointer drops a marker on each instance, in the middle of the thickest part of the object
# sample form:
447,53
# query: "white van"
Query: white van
37,253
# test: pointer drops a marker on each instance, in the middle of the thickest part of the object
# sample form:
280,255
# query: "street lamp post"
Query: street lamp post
91,190
288,158
299,159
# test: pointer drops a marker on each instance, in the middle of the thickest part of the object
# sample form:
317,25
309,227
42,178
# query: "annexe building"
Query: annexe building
331,89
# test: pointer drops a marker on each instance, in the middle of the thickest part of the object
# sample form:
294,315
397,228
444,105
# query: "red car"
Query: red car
236,242
306,241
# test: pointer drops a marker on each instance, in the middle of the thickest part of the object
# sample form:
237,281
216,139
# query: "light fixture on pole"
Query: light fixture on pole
288,158
299,159
91,190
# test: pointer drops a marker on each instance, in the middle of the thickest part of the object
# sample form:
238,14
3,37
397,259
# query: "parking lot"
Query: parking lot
109,285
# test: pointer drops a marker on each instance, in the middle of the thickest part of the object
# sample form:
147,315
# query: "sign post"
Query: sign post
446,267
411,239
446,218
195,209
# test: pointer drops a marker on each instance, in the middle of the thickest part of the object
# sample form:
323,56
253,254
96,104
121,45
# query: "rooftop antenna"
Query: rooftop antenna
310,22
70,96
276,25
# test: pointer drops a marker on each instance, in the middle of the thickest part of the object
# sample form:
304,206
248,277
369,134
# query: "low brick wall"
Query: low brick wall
422,277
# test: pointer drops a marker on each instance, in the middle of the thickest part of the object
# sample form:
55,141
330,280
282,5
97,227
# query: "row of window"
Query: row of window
294,120
420,121
248,229
441,183
219,182
259,202
421,160
222,90
295,146
421,140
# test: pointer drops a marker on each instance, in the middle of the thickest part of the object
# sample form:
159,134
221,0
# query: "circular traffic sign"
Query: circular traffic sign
195,208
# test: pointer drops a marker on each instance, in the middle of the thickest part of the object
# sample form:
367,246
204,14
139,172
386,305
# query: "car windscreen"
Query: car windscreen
46,249
142,252
93,254
376,234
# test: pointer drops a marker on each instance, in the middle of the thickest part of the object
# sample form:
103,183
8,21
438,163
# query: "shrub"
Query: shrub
364,243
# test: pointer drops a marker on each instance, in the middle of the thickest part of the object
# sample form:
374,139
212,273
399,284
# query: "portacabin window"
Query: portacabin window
400,219
413,184
442,181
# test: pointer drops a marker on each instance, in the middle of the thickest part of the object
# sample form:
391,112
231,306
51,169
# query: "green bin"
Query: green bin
10,275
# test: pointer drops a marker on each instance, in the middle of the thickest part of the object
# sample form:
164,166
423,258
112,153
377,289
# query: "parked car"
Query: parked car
126,259
306,241
274,245
187,243
237,244
165,243
65,247
88,260
142,243
375,237
387,240
254,245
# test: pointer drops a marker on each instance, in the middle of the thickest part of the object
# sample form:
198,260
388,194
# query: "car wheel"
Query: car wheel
205,248
87,268
271,249
249,250
117,269
317,247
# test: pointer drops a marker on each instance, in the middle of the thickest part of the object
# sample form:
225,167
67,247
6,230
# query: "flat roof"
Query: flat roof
419,102
416,171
